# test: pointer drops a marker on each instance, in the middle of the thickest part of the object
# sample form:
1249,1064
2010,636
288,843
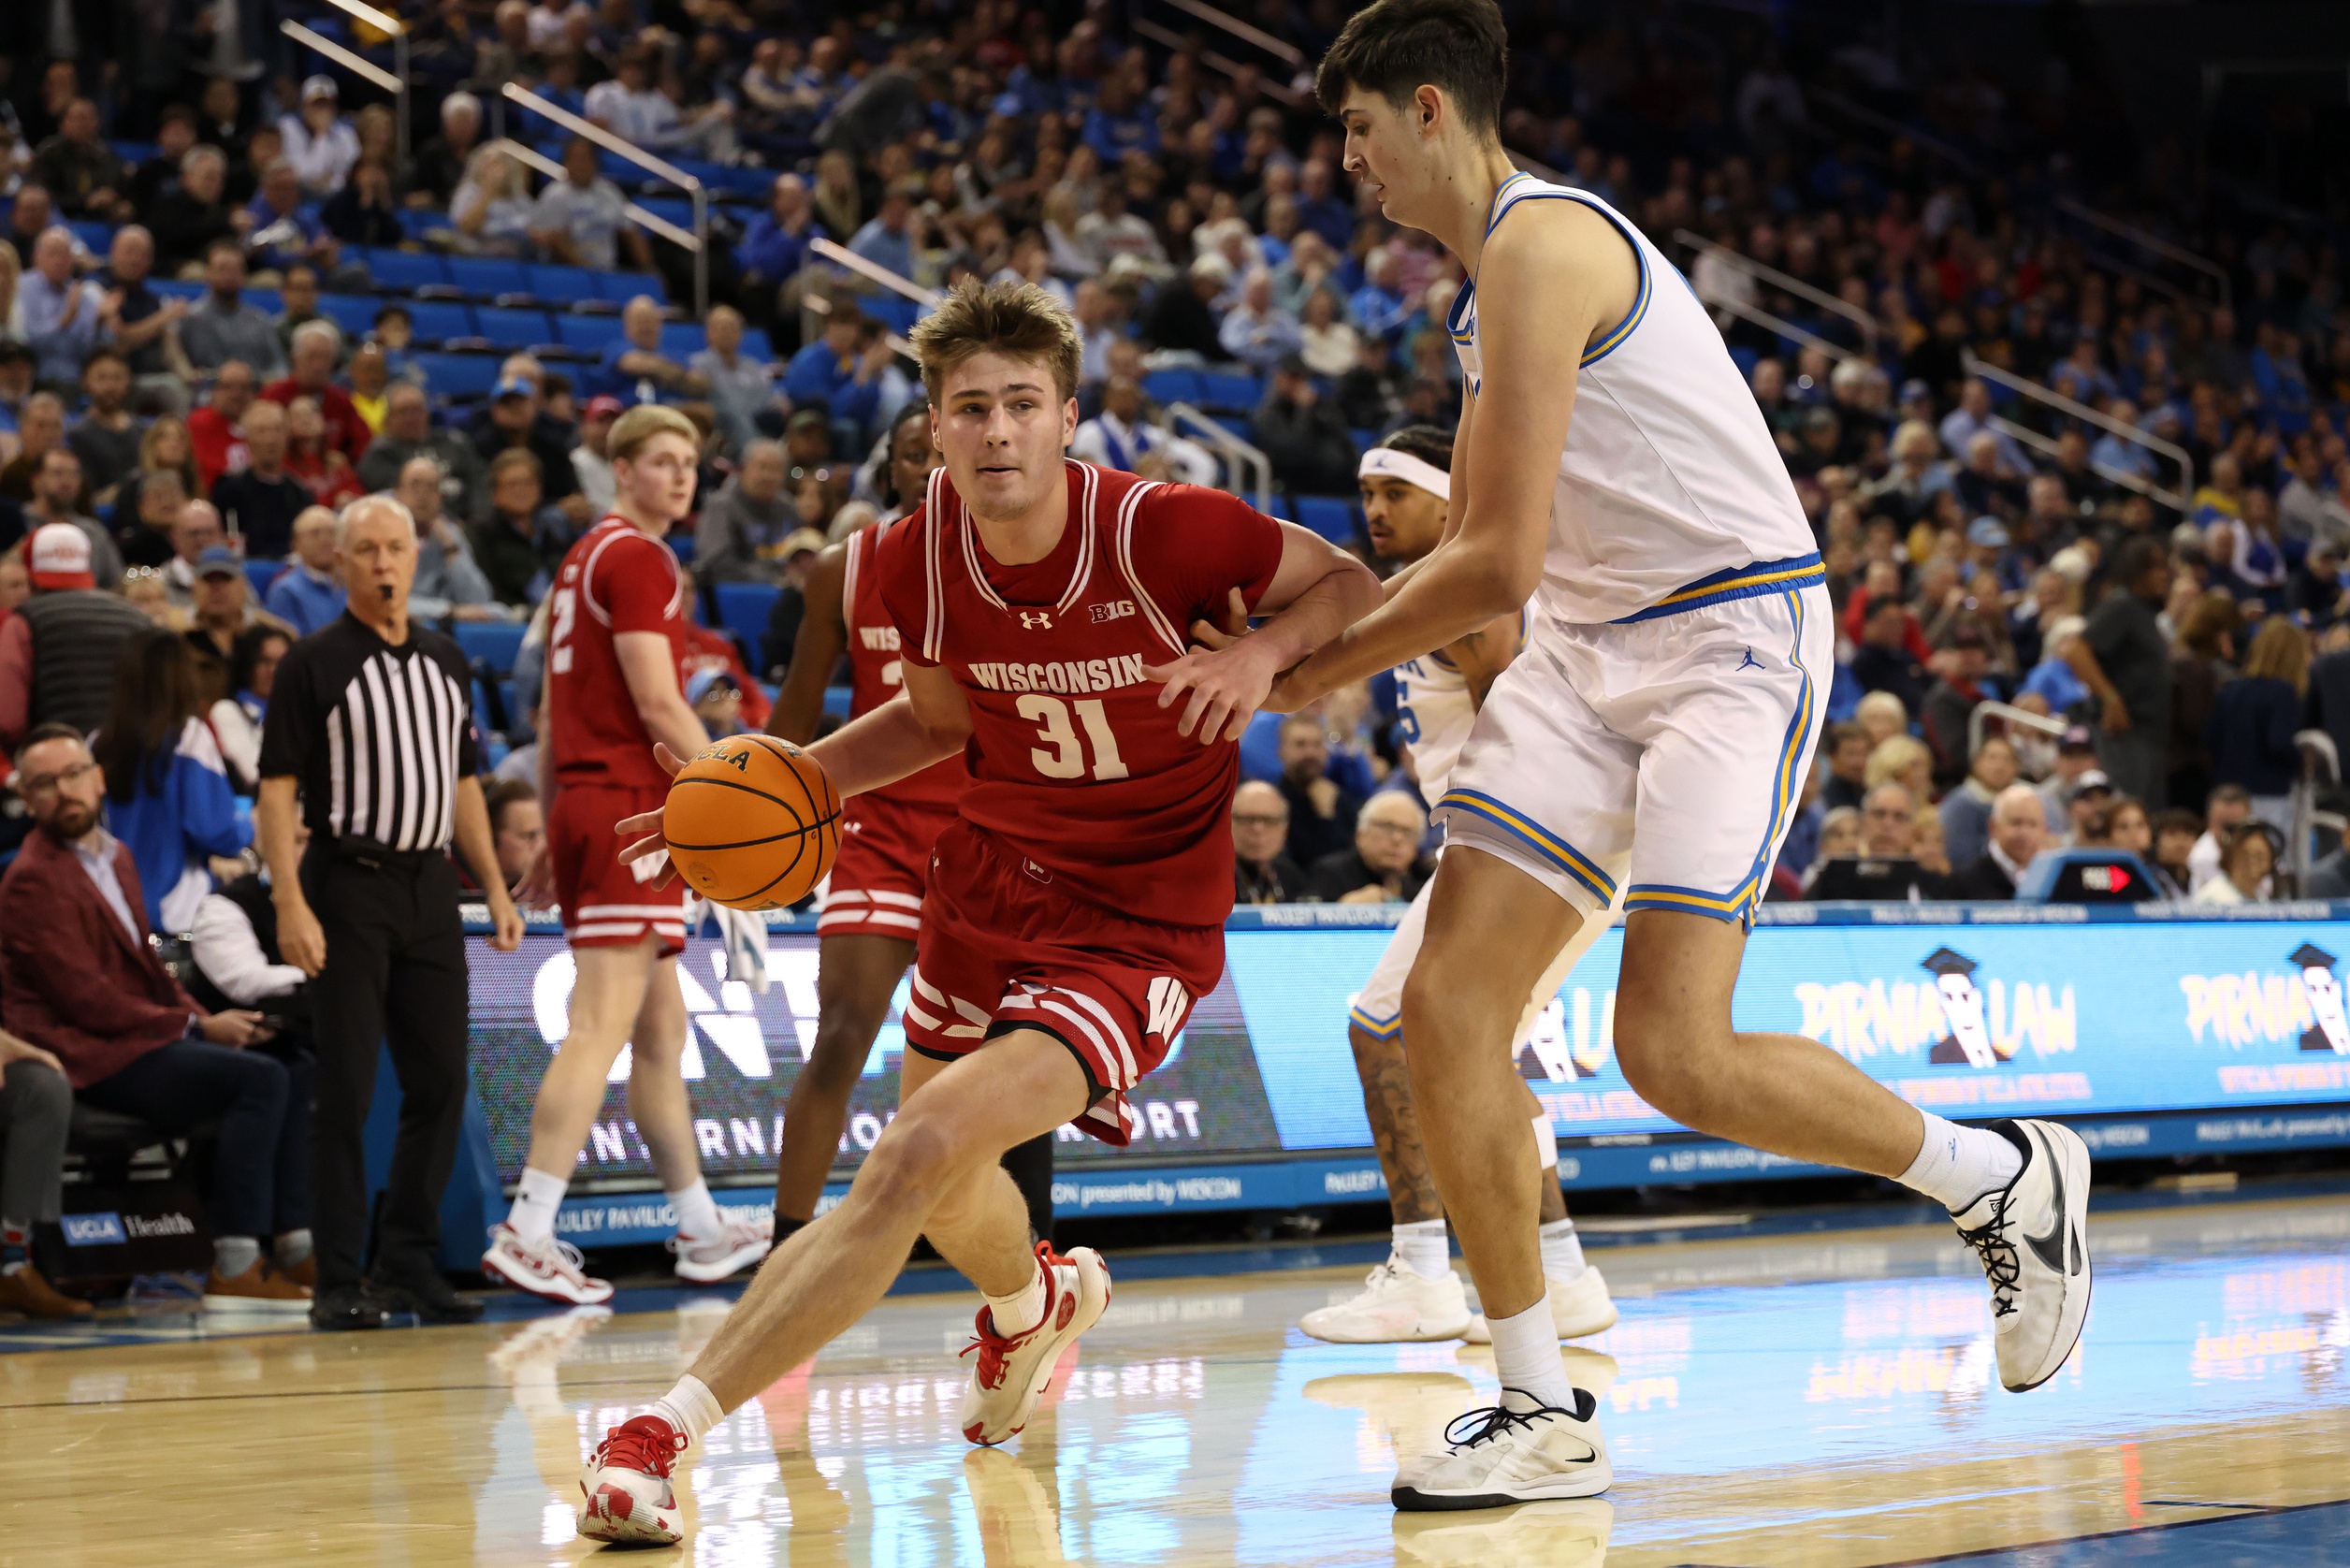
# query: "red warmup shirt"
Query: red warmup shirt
347,433
614,580
216,446
1074,764
708,649
874,675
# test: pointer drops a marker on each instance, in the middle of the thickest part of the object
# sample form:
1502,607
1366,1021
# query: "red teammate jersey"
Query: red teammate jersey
875,678
1074,764
614,580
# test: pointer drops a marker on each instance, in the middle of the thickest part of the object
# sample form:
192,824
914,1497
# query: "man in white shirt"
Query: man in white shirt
578,220
1122,435
319,142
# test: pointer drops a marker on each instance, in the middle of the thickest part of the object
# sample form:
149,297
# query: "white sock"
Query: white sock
696,1212
537,1197
1023,1310
1422,1248
233,1254
1526,1355
1562,1251
690,1407
1957,1165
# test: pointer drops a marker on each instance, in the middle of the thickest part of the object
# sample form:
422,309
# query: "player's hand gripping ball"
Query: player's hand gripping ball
752,823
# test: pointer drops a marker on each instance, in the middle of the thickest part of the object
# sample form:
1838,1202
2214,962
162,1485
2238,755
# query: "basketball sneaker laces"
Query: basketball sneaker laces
995,1348
2000,1263
646,1444
1493,1421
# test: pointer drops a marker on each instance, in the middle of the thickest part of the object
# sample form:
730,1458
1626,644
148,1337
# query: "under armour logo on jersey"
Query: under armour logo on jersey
1037,620
1116,610
1751,662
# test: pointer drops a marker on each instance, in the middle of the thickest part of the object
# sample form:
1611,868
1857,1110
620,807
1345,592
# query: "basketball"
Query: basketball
752,823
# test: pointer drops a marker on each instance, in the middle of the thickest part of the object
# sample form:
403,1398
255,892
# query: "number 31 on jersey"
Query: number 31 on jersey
1066,760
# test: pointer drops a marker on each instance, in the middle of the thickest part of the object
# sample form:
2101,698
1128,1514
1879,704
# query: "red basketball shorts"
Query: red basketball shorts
1002,949
882,869
607,904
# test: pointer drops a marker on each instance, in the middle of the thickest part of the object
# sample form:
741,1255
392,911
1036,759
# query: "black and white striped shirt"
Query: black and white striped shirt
378,736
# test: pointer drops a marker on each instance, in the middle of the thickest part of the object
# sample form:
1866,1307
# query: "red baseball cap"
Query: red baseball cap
605,407
59,557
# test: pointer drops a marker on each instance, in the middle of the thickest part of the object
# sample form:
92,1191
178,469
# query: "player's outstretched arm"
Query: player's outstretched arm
927,723
823,632
1316,592
1546,282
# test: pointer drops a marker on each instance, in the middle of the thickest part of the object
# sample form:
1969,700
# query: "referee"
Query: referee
371,724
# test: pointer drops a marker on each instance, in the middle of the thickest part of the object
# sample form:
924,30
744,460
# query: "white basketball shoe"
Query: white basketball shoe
1013,1369
629,1500
1395,1305
548,1268
740,1243
1517,1451
1580,1306
2032,1236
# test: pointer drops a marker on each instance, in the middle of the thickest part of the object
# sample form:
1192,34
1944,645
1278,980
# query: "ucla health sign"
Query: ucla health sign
2012,1011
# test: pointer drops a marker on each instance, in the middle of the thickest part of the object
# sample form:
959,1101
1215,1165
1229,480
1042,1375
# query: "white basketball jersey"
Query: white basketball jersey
1670,491
1433,715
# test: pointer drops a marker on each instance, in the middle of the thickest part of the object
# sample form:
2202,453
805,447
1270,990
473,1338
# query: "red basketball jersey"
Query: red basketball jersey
875,678
614,580
1074,764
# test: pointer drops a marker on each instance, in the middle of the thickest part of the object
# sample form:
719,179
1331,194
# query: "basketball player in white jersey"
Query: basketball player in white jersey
1414,1295
1611,465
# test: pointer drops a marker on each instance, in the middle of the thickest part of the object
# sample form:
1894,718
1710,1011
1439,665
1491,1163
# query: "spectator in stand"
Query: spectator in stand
1903,759
105,438
2248,859
59,492
1928,848
1883,662
449,586
1255,333
369,373
192,215
321,470
591,459
262,503
146,540
15,360
2227,806
634,360
216,431
2018,832
773,247
1321,810
364,212
2202,661
1383,864
79,980
2052,679
523,541
1121,436
518,827
137,322
2250,732
1183,320
1881,714
2090,796
168,798
1967,809
514,421
1845,753
580,220
840,372
408,434
221,611
314,346
2314,592
2124,661
57,647
742,528
80,172
298,295
223,327
285,224
319,142
1308,443
307,595
1951,700
2175,833
40,429
164,448
439,166
197,530
36,1117
236,718
1262,870
742,389
58,312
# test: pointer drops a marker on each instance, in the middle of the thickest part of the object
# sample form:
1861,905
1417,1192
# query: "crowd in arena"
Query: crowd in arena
230,304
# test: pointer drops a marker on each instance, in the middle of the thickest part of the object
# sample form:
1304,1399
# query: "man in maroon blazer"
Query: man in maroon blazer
79,980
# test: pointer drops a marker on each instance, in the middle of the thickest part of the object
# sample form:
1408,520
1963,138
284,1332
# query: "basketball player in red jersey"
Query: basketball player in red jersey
615,630
1075,907
867,923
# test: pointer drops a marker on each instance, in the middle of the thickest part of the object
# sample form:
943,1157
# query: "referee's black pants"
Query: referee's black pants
395,975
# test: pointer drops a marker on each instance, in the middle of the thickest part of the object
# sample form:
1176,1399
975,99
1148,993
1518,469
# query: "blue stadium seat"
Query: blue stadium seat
894,310
260,574
495,642
757,345
353,312
588,334
562,285
98,236
744,609
1239,425
621,288
1745,357
401,270
1173,386
268,301
436,319
513,330
458,375
417,224
682,339
677,210
1331,516
836,700
486,277
1224,392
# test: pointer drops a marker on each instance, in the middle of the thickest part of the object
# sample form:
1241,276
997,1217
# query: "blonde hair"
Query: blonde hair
641,424
1880,702
1020,321
2280,651
1894,755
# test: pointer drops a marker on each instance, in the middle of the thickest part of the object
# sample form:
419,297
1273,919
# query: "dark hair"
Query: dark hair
2178,820
1839,734
41,735
105,351
886,481
506,792
384,314
553,383
246,653
1427,442
1394,47
2137,557
155,697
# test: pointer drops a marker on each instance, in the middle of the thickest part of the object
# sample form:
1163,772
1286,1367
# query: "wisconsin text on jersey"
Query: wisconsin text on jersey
1114,673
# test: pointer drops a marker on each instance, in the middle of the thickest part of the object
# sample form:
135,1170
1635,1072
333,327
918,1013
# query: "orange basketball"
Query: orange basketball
752,823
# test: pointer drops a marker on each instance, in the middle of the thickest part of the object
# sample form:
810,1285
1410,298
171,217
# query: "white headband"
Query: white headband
1385,462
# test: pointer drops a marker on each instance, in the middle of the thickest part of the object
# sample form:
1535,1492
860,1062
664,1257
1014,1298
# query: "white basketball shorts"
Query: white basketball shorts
1676,740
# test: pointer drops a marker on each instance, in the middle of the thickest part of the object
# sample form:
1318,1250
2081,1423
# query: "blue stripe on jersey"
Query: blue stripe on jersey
1737,582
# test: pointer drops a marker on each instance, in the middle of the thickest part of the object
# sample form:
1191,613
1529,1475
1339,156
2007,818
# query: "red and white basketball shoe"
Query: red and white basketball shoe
551,1268
629,1500
1013,1369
